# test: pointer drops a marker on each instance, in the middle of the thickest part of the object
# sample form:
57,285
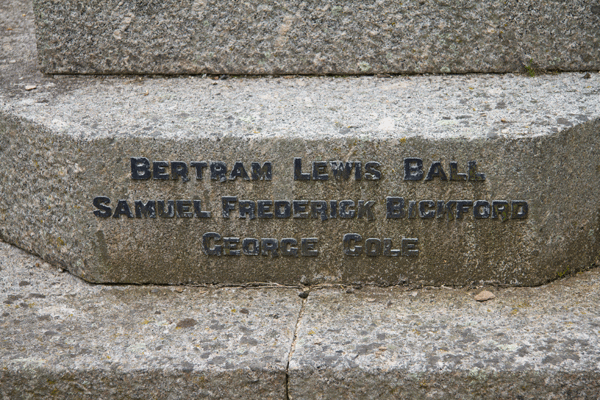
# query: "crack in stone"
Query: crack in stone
293,346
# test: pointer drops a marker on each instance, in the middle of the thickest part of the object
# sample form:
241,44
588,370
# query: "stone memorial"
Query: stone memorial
364,235
423,180
338,181
316,37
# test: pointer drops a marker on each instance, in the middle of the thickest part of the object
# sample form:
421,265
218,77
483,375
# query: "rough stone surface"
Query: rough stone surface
78,146
18,53
529,343
71,140
63,338
295,37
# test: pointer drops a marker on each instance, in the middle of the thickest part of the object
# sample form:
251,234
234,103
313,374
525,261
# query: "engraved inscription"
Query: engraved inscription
233,207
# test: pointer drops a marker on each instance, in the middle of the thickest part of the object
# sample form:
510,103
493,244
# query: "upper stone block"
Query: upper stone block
316,37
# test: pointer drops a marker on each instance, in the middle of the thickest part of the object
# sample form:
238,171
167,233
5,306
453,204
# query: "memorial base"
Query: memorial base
63,337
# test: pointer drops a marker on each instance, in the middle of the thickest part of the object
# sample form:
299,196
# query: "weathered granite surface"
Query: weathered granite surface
61,155
527,343
71,139
298,37
63,338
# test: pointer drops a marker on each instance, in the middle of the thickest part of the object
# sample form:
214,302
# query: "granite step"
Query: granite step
62,337
422,180
429,180
241,223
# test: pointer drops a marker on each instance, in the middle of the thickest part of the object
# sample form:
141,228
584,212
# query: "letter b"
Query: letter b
140,168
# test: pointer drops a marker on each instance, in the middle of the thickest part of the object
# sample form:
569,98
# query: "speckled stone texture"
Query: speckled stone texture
63,338
527,343
71,139
316,37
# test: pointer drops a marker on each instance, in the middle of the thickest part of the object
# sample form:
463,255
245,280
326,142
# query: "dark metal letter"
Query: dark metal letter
357,170
341,170
345,212
160,171
454,174
218,171
436,170
262,173
146,210
184,209
413,169
449,205
170,213
395,207
247,209
140,168
269,246
372,172
319,208
122,208
412,209
462,207
481,209
333,209
475,176
423,206
228,205
500,208
250,247
519,209
103,210
179,169
319,171
286,247
387,248
230,246
409,247
300,208
309,247
366,209
198,210
238,170
283,209
349,240
206,241
265,209
373,247
298,174
199,167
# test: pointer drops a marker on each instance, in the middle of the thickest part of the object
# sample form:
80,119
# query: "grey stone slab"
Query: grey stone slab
61,337
74,140
527,343
295,37
71,140
18,52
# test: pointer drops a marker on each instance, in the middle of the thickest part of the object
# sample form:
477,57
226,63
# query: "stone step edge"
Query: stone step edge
298,378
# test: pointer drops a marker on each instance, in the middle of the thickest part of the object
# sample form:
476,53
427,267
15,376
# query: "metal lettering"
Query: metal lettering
140,168
395,207
103,210
179,169
309,247
147,210
238,171
160,170
413,169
